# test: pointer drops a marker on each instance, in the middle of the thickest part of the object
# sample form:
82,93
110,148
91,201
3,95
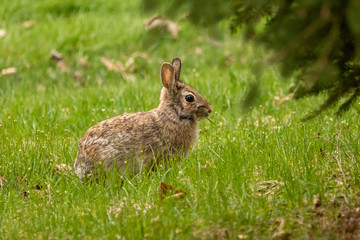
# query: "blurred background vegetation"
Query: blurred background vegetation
316,41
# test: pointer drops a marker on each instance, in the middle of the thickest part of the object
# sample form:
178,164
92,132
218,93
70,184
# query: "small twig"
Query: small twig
335,144
338,159
327,140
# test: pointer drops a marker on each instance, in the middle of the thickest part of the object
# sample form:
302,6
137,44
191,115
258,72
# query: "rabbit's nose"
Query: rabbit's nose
209,110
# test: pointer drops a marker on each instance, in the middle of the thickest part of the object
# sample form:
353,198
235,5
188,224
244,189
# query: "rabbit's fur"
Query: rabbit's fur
134,140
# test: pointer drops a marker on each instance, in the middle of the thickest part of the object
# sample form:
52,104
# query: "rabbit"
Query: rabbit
135,140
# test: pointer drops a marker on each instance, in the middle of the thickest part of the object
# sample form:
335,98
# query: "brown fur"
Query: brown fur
133,140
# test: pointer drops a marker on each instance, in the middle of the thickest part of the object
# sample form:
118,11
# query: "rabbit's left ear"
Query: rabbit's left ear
168,76
176,62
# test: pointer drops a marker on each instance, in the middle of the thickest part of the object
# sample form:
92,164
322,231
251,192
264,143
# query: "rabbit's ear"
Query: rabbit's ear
176,62
167,76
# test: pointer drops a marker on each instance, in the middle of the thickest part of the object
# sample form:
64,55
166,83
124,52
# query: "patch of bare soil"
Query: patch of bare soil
345,225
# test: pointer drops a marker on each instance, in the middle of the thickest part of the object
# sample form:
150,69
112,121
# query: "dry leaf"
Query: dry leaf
99,82
198,51
78,77
207,165
280,232
117,67
63,168
130,62
268,187
222,233
278,101
317,201
60,61
56,56
8,71
174,193
3,181
318,209
111,66
21,179
84,62
2,33
62,65
116,209
159,21
29,23
281,235
242,236
40,87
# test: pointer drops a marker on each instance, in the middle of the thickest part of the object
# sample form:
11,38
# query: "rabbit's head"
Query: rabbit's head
185,101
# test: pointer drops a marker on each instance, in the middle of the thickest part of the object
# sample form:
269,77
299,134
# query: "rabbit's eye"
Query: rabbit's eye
189,98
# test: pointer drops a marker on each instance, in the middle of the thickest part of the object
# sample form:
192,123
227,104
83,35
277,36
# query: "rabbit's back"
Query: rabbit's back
136,137
116,140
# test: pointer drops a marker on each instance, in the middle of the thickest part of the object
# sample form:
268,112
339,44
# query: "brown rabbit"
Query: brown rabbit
134,140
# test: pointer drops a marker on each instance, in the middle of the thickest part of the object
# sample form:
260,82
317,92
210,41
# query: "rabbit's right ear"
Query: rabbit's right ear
176,62
168,76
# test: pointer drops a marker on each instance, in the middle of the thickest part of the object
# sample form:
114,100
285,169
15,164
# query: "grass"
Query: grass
254,175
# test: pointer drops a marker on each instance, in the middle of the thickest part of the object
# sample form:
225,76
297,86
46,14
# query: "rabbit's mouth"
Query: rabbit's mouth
203,112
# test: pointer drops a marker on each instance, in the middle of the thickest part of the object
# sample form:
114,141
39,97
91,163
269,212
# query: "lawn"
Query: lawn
256,174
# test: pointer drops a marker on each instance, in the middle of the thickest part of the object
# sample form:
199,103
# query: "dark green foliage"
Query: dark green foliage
318,41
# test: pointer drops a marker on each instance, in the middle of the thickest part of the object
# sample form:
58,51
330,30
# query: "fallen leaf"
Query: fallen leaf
21,179
60,61
229,60
131,61
84,62
29,23
222,233
317,201
280,232
207,165
111,66
8,71
158,21
281,235
214,43
168,189
116,209
63,168
117,66
318,209
2,33
278,101
268,187
242,236
40,87
99,82
78,77
198,51
56,56
3,181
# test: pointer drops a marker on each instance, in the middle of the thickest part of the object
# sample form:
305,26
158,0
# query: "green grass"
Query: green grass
44,112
